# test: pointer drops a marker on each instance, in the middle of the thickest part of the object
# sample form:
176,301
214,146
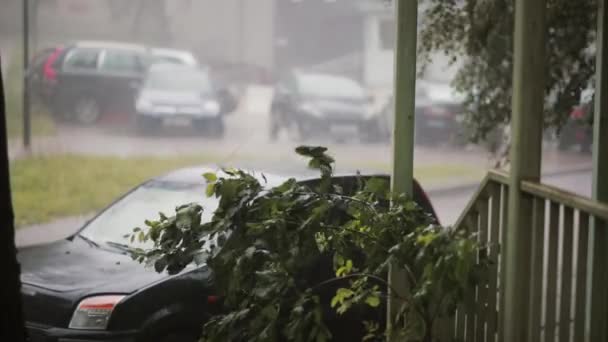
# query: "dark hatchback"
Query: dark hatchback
308,105
87,287
82,80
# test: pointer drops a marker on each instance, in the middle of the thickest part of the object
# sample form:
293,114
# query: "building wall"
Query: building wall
231,31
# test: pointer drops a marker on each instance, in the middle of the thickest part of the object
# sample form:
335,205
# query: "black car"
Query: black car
82,80
87,287
311,104
578,129
437,112
181,96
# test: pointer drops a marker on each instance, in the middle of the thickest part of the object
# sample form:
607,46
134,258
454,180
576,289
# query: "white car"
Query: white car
174,56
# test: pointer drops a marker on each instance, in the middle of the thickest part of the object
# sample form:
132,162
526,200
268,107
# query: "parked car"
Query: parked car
87,287
311,104
83,79
437,114
175,56
578,130
182,96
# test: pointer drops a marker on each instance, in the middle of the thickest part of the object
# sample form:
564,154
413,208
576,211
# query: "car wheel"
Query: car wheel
274,129
86,110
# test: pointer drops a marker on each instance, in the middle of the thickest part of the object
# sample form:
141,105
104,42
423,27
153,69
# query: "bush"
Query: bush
308,261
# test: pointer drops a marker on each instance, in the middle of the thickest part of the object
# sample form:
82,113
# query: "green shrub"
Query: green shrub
267,245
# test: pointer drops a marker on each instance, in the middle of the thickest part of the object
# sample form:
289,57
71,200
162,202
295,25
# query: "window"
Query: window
120,61
82,59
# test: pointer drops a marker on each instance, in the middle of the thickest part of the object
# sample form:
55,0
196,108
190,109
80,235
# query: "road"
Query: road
449,204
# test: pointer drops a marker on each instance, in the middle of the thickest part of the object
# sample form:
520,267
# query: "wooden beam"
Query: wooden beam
526,130
403,134
599,235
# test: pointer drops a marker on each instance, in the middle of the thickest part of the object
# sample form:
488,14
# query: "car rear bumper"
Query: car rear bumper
40,333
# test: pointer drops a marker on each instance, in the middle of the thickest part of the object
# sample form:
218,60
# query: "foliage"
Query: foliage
294,260
51,187
481,31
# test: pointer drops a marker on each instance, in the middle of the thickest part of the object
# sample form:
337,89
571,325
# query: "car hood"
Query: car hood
67,266
170,97
58,275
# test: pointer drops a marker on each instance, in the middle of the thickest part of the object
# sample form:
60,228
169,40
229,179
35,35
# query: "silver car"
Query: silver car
178,95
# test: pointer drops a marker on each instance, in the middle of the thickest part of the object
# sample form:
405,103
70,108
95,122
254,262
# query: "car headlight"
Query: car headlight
211,107
94,313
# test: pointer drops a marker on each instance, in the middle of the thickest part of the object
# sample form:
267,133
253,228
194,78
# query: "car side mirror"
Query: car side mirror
228,101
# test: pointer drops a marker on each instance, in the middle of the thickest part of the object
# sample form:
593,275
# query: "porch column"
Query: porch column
599,235
526,130
403,134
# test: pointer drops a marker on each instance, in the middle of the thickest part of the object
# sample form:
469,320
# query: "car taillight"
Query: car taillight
578,113
50,74
212,299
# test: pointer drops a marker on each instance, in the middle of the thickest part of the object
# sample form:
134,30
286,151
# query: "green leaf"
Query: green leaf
210,177
372,301
210,189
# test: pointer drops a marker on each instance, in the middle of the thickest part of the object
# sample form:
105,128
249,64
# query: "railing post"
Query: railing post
526,129
403,134
599,235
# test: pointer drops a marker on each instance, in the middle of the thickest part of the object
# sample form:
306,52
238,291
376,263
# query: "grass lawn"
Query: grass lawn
45,188
49,187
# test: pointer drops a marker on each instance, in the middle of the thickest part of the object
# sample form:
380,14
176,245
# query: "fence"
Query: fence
560,264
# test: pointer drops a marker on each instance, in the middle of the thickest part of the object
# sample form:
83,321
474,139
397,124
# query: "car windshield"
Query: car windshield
316,85
145,202
185,79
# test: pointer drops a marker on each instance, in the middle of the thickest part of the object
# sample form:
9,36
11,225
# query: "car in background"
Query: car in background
175,56
309,105
88,288
578,129
437,115
179,95
82,80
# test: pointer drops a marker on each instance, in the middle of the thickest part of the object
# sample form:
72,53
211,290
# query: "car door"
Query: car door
78,75
121,72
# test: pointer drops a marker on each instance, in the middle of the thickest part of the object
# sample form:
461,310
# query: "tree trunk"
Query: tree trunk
12,327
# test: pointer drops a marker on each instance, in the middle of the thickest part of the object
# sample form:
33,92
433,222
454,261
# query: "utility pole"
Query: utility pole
26,88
